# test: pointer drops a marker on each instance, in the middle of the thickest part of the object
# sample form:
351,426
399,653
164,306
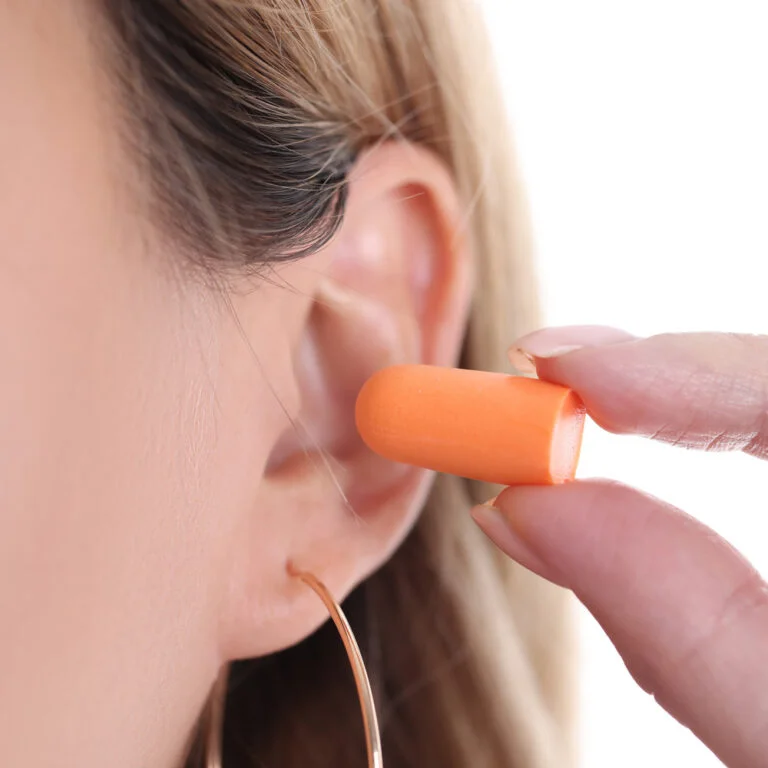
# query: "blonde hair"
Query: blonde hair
248,115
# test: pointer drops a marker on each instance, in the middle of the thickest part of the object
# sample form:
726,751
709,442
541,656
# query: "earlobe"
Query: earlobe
395,289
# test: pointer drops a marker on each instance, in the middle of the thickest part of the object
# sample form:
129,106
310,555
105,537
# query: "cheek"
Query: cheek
134,426
136,423
101,519
106,417
257,397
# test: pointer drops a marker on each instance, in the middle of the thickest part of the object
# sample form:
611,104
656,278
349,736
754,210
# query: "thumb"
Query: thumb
687,613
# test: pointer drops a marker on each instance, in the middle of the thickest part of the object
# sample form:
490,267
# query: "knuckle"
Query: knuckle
749,595
748,598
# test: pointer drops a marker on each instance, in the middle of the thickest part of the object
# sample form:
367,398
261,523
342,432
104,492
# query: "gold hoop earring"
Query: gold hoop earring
215,719
364,692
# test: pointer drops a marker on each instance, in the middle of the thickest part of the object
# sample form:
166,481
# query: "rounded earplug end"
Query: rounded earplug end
505,430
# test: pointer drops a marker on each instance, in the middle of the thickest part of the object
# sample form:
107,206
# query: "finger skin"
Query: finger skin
703,390
687,613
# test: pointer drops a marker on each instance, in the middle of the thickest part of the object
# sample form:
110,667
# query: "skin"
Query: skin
688,613
152,485
153,490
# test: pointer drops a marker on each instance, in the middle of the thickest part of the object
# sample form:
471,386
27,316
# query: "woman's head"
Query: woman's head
218,218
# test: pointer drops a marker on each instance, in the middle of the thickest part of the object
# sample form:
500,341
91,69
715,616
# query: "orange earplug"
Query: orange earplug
501,429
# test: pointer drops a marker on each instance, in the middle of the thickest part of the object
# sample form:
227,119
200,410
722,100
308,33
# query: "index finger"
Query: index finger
701,390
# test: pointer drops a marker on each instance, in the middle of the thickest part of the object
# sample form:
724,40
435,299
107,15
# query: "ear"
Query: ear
395,288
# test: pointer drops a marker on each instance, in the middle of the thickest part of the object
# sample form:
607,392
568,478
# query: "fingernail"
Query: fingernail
522,360
555,342
494,524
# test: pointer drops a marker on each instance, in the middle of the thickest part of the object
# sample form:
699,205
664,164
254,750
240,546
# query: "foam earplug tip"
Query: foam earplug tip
506,430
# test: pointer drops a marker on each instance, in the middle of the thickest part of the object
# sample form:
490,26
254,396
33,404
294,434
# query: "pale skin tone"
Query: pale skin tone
152,487
688,614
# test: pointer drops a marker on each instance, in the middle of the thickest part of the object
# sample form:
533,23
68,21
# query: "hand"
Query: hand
687,613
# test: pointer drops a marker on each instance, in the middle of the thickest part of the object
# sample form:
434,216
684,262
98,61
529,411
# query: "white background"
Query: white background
642,130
